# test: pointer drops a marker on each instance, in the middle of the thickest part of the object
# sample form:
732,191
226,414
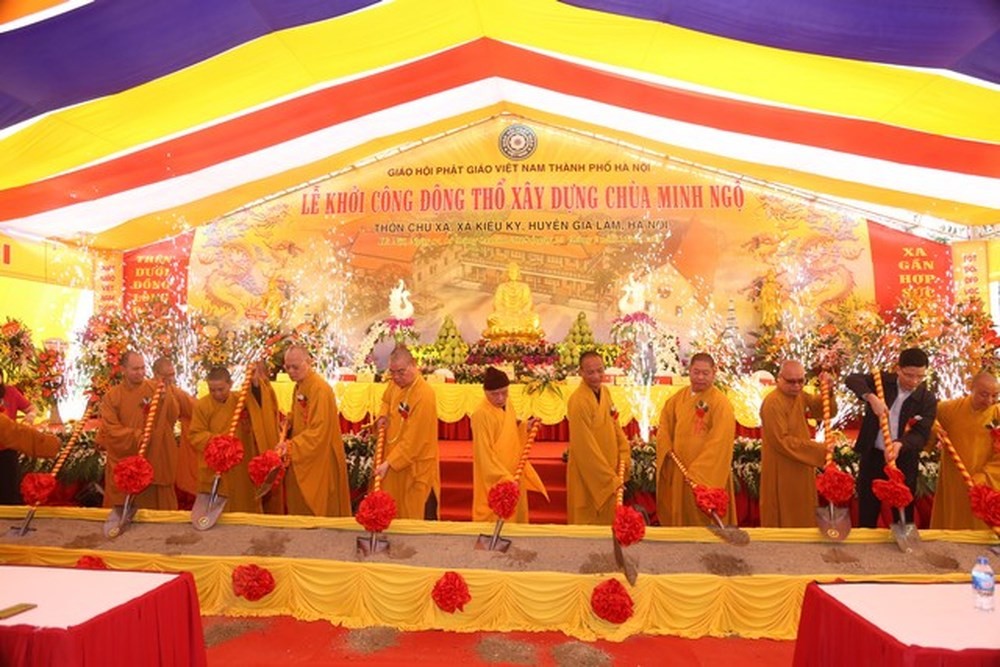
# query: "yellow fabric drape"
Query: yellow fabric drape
358,594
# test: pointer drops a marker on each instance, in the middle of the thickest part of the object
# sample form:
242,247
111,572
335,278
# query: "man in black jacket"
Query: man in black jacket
911,408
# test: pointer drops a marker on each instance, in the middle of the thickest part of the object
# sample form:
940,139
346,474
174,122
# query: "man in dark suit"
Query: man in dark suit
911,408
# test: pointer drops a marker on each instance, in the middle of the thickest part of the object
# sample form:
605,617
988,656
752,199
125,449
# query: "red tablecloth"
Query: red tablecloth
895,625
100,618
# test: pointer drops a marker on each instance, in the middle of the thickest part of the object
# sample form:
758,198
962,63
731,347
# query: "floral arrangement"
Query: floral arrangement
640,334
252,582
611,602
400,330
835,485
359,449
711,500
261,466
16,350
50,375
103,342
91,563
133,474
746,465
643,474
528,360
985,503
84,463
36,487
893,490
451,593
376,511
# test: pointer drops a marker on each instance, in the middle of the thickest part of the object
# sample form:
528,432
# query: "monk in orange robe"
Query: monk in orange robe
969,422
497,444
25,439
789,457
123,418
698,424
410,472
187,456
213,415
316,481
596,445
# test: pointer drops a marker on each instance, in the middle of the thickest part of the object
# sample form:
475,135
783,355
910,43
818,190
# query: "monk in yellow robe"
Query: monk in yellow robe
316,480
187,456
789,456
265,424
497,444
213,415
596,445
967,422
123,418
698,424
410,471
27,440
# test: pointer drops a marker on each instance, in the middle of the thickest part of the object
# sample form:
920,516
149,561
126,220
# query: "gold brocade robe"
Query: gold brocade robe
968,432
187,455
788,460
704,444
596,444
212,418
316,481
411,447
27,440
497,444
123,417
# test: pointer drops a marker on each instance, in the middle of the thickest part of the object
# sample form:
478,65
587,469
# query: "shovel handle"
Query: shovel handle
883,420
953,453
824,394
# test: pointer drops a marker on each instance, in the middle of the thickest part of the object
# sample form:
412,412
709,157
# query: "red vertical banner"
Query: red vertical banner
903,261
159,270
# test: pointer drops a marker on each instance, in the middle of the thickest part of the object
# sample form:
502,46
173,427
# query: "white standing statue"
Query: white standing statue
633,297
399,302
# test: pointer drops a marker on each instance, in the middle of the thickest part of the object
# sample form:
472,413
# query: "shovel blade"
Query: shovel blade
492,543
906,536
265,486
206,510
626,565
119,519
25,526
833,522
373,543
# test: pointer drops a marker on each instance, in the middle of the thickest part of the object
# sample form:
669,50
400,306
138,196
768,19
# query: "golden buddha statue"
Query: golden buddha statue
513,311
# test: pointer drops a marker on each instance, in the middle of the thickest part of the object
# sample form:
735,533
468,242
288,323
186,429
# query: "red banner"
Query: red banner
158,270
901,261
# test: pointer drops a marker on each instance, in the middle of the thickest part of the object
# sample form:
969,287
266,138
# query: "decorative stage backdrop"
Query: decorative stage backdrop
578,214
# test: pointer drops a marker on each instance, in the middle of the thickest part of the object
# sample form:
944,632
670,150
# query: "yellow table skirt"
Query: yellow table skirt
357,594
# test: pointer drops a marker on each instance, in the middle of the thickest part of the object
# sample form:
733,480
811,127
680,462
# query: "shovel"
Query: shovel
25,527
730,534
906,535
626,565
208,507
120,518
493,542
833,521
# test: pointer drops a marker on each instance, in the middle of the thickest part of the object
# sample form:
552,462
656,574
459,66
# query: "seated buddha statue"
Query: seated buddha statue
513,311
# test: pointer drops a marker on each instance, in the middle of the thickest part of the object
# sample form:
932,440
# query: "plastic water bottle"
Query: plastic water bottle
983,584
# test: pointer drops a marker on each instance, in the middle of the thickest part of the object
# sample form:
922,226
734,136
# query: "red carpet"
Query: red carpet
456,481
285,641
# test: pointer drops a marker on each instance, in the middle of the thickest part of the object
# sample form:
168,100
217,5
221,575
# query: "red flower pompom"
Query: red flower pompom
252,582
133,474
223,453
376,511
261,465
503,497
451,593
37,486
711,500
985,503
611,602
629,526
91,563
835,485
893,490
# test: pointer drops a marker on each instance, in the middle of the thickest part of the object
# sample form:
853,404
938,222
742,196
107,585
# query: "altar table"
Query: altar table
895,625
100,618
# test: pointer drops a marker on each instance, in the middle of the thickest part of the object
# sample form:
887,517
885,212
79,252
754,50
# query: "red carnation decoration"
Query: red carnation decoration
893,490
376,511
91,563
835,485
985,503
133,474
223,453
629,526
261,466
710,499
611,602
451,593
503,499
37,486
252,582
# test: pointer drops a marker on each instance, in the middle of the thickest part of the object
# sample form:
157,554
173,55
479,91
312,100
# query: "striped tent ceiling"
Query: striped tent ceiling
123,122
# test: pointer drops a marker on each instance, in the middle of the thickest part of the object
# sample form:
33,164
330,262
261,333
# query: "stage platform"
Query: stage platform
690,583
